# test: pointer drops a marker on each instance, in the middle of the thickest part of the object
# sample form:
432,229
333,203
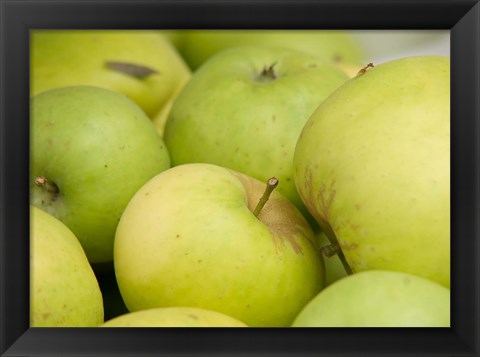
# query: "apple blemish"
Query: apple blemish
337,58
131,69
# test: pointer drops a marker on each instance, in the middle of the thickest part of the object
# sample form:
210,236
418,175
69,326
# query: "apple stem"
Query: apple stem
346,266
48,186
334,248
271,184
330,250
268,73
364,69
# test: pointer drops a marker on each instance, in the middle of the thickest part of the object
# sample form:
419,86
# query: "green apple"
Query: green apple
193,236
92,149
373,167
338,47
63,289
174,317
245,108
379,298
143,65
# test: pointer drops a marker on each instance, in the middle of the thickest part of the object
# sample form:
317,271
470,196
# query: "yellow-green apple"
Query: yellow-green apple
245,108
63,289
379,298
143,65
194,236
338,47
373,167
92,149
174,317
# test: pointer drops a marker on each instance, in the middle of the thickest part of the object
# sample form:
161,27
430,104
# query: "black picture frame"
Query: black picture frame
18,17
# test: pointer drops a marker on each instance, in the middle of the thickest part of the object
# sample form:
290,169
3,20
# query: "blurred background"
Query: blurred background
386,45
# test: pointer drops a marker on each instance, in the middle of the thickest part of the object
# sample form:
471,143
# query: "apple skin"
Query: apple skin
174,317
78,57
63,289
98,147
378,298
230,115
335,46
189,238
372,165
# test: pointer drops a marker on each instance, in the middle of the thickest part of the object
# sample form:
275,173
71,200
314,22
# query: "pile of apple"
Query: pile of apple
237,178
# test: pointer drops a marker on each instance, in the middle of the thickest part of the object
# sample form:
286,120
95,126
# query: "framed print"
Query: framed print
284,319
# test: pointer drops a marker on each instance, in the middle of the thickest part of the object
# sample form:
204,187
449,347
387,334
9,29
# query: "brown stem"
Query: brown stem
48,186
268,73
330,250
346,266
335,245
271,184
364,69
